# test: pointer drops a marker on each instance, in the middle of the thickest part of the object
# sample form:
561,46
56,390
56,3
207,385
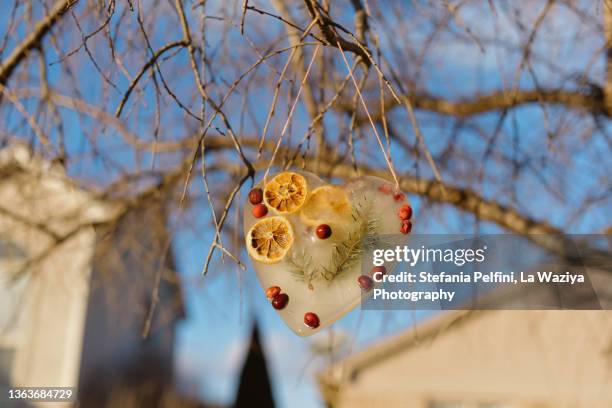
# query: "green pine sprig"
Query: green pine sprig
350,251
345,254
302,267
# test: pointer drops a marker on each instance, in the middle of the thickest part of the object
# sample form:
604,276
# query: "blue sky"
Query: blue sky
222,306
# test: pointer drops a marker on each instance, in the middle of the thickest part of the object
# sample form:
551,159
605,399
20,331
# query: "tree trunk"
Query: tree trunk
607,13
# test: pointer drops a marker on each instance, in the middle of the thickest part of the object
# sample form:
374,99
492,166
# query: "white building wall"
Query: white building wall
516,359
36,203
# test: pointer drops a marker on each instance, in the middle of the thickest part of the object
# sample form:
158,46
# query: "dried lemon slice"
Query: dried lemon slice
286,192
326,205
269,239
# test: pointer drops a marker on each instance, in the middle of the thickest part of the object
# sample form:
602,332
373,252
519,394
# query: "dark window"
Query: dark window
9,250
11,292
6,363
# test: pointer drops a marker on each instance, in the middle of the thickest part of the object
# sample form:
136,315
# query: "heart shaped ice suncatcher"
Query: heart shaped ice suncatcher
306,239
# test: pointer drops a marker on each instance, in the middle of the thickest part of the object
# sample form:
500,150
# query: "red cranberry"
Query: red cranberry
377,269
311,320
260,210
324,231
256,196
272,291
365,282
399,197
405,212
280,301
406,227
385,189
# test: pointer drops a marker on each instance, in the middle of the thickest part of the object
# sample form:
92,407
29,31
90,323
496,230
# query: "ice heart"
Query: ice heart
307,239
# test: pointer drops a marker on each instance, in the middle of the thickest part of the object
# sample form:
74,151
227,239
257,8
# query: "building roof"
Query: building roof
350,367
40,196
45,197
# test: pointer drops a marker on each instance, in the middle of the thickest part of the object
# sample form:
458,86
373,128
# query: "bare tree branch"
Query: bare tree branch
41,29
592,103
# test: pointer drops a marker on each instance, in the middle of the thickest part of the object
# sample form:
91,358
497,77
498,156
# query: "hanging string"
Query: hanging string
297,97
380,143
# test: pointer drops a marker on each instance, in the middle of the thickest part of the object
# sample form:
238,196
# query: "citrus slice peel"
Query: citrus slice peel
326,205
286,192
269,239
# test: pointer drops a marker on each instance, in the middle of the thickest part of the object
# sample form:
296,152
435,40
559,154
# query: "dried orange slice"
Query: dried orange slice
269,239
326,205
286,192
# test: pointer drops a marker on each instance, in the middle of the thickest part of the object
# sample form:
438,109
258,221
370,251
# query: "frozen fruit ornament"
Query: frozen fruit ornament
312,240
